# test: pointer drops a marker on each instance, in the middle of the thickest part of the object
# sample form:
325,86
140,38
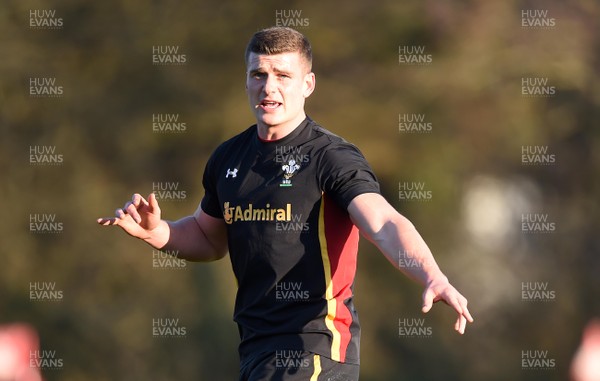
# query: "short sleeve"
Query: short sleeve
344,173
210,202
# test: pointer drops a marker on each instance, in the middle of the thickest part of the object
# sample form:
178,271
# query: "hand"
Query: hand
137,218
441,289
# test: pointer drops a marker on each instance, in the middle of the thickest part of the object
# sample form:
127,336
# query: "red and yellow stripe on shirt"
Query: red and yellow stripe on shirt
338,238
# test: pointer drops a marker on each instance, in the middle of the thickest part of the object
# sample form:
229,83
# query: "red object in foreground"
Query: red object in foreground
17,342
586,362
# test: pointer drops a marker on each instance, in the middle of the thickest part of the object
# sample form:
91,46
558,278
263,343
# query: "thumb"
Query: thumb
427,301
153,203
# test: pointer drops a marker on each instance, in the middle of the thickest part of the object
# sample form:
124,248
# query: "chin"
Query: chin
270,121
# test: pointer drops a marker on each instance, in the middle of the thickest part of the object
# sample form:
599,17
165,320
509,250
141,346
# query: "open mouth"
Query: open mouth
269,105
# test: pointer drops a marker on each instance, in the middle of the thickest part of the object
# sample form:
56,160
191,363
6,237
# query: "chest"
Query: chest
283,176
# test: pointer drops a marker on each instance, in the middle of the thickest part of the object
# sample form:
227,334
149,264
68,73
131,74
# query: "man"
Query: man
286,198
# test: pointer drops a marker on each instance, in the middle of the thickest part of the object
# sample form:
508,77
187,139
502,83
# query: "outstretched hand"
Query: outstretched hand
442,290
137,218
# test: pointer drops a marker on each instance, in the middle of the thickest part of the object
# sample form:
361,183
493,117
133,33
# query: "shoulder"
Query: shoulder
333,148
316,131
236,141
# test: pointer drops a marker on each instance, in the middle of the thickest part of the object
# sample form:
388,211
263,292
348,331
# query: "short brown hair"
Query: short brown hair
276,40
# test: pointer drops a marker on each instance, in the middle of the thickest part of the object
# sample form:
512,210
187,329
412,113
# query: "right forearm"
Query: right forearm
185,238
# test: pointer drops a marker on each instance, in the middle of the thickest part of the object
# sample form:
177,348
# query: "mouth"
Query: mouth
267,104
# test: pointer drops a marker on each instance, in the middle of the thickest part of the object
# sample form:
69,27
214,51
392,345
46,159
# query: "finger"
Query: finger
153,204
107,221
467,314
132,210
121,214
136,199
427,301
454,302
462,309
461,324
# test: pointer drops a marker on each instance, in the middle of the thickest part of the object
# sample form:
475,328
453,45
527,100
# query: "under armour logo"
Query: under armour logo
232,173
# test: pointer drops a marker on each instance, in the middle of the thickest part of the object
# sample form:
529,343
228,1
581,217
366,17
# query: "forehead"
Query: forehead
291,61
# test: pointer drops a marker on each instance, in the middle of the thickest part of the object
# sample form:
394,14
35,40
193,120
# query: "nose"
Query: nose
270,85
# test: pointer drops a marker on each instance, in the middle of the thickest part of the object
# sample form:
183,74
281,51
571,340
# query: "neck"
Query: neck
280,131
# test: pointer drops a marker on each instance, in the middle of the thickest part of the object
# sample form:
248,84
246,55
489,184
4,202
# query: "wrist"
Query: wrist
159,236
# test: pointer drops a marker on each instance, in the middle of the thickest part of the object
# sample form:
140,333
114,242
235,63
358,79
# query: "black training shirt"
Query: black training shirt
292,245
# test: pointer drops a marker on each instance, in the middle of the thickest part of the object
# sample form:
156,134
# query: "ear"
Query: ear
309,84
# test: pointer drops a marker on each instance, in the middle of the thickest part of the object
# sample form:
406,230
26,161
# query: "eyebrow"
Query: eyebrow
262,69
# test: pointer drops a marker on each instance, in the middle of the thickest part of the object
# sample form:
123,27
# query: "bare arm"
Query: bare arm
199,237
402,245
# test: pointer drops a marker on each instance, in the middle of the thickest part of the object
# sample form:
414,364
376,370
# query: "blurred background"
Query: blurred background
487,111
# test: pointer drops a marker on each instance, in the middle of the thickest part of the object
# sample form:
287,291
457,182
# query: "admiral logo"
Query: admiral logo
413,123
413,55
414,328
45,359
167,55
233,214
44,19
167,123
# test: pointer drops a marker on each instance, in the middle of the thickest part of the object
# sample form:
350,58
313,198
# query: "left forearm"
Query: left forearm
404,247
